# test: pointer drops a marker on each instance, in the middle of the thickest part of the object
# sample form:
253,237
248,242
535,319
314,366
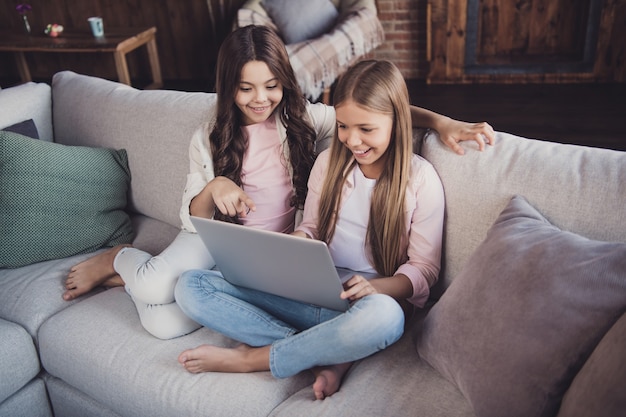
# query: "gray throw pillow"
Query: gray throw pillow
526,311
299,20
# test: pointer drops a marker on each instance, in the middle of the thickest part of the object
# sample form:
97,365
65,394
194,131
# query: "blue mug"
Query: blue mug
97,27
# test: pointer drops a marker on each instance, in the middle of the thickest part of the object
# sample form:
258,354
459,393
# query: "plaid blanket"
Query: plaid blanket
318,62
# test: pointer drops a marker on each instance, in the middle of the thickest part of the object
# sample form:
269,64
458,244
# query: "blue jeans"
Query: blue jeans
302,336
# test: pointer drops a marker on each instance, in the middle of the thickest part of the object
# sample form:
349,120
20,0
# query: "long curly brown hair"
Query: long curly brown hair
227,141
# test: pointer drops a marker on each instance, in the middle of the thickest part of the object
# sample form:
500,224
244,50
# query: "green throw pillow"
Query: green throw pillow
58,201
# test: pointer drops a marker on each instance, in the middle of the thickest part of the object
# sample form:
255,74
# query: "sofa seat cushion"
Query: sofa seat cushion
19,362
100,347
30,401
524,314
58,200
68,401
579,189
393,382
31,294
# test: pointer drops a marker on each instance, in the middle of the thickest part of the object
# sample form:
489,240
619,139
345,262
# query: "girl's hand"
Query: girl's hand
300,233
230,199
451,132
356,288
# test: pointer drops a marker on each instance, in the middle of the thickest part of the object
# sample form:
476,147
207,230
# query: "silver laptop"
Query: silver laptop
277,263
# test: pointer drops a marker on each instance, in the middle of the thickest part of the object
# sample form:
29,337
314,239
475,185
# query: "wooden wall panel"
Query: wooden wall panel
528,41
611,62
536,28
456,33
438,36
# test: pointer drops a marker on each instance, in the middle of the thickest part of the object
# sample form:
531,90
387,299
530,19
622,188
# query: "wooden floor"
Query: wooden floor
582,114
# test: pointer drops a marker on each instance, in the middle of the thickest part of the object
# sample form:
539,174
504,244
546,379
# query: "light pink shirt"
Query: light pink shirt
266,180
201,172
425,212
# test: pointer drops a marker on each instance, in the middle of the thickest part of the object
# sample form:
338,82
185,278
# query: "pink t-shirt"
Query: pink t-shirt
266,179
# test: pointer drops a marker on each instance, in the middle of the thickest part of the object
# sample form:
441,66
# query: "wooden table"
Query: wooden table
118,41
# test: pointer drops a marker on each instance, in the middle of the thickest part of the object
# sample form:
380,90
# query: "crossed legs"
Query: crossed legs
283,336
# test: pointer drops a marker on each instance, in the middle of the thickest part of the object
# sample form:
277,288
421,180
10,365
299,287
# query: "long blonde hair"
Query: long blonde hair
376,86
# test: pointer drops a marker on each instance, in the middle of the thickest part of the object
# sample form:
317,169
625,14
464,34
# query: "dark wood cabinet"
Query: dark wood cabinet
474,41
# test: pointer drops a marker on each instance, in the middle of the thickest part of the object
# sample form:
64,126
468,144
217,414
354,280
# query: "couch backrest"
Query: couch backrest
578,189
27,101
154,126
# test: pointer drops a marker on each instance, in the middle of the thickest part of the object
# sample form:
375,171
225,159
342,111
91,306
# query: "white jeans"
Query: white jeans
150,281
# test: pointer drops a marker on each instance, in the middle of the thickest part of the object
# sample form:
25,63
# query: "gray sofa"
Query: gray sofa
536,333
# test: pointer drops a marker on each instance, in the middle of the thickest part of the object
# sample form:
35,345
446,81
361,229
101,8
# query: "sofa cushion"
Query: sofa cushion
99,347
301,20
19,362
28,101
579,189
525,312
70,402
31,294
402,384
154,126
58,200
26,128
30,401
598,389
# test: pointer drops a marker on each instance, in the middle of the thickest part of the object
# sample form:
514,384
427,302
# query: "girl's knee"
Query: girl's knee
165,321
185,285
385,317
194,282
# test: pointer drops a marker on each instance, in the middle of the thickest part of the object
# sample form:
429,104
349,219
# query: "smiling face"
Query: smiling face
366,134
259,92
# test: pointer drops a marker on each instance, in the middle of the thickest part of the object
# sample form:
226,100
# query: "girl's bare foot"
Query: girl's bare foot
328,379
91,273
243,358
